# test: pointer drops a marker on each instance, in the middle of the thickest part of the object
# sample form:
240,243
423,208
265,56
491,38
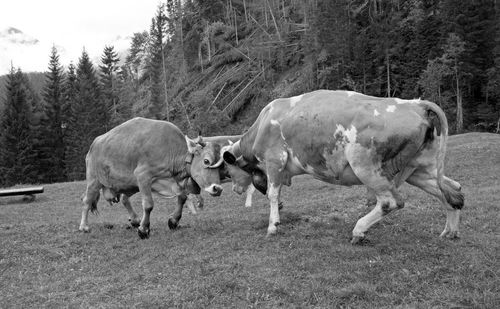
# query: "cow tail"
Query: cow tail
452,195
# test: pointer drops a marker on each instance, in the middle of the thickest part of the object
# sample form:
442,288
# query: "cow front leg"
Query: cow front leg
173,221
273,194
275,167
250,191
193,202
133,218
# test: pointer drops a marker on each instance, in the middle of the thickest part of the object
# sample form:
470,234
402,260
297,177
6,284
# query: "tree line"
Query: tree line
209,66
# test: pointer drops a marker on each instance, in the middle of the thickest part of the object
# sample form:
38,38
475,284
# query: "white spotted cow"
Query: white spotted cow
149,156
347,138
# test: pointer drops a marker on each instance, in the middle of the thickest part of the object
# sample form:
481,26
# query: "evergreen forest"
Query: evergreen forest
210,66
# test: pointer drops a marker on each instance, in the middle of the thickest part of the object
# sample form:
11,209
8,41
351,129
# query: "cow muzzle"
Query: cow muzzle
214,190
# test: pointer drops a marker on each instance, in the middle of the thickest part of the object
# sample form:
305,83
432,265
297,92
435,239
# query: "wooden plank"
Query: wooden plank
21,191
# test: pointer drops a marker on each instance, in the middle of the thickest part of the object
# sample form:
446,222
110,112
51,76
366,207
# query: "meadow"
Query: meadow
221,258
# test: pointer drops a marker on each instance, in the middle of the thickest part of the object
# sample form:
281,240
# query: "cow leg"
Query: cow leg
450,196
250,191
275,167
144,184
387,196
90,199
371,198
387,201
273,194
173,221
133,218
193,202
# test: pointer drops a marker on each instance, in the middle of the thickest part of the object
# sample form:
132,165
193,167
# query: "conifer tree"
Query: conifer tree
127,95
156,64
108,79
17,158
87,119
69,99
53,143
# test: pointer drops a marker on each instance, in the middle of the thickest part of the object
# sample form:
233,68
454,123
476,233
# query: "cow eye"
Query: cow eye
206,162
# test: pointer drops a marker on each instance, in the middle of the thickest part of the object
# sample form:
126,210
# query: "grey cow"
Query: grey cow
146,156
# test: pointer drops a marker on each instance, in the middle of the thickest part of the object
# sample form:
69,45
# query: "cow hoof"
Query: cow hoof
143,234
134,223
450,234
358,240
84,229
172,225
272,229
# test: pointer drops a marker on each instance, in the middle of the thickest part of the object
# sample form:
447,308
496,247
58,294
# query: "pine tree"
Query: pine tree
156,64
69,99
108,79
53,143
87,119
17,158
127,95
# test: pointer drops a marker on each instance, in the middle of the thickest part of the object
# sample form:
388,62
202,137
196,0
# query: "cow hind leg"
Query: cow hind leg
386,201
133,218
449,195
89,199
173,221
371,198
386,194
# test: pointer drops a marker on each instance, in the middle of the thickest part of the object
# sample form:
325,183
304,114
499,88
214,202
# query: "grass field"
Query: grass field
221,257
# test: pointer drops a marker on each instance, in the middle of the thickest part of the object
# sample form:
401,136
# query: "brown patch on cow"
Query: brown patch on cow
386,208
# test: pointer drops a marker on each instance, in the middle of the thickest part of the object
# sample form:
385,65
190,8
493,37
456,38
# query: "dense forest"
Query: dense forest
209,66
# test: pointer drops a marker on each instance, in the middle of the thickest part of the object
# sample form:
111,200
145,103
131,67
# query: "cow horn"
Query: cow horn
218,163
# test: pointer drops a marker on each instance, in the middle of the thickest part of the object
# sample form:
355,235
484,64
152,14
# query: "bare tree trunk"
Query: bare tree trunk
235,27
364,77
165,83
498,126
274,20
460,116
245,9
388,72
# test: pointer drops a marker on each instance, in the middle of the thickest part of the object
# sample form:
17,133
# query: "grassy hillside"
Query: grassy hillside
221,257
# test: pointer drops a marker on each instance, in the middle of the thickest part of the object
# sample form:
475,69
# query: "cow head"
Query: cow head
243,174
205,164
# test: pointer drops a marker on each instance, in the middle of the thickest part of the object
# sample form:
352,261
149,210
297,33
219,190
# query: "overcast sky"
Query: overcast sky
70,25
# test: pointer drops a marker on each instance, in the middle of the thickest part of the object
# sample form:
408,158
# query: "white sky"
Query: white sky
70,25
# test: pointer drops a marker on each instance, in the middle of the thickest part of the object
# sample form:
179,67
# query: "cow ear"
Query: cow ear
200,141
229,158
192,145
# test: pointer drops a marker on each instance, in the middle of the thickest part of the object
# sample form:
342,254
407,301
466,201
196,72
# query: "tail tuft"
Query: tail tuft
453,196
93,208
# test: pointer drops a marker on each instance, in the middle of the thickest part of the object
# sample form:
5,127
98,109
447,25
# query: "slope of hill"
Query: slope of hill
220,258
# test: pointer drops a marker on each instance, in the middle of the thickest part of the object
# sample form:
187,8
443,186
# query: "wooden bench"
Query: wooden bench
29,193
